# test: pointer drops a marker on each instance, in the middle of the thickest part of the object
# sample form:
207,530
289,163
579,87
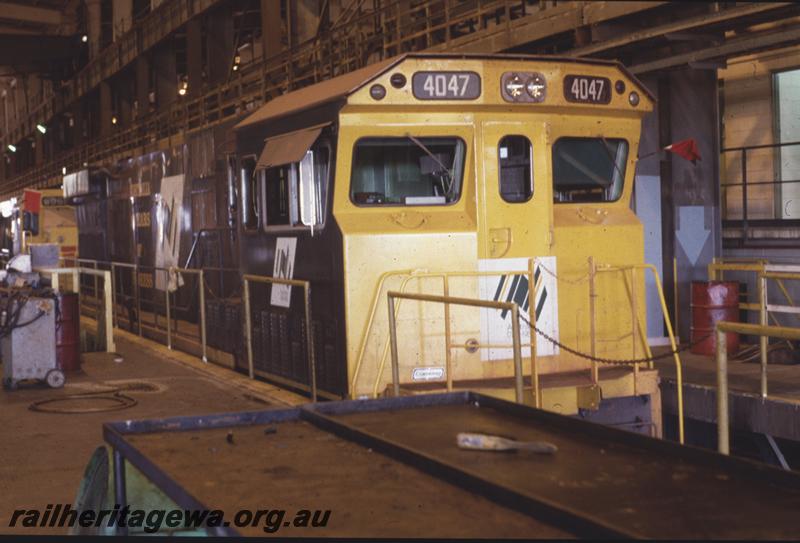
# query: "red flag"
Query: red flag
686,149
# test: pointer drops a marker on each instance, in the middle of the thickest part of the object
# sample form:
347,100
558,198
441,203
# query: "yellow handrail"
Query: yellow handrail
368,324
723,436
665,313
445,276
491,304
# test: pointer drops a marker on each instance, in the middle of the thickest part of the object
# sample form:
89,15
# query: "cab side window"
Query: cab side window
295,193
515,169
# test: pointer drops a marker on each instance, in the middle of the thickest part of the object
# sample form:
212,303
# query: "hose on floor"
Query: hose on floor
119,401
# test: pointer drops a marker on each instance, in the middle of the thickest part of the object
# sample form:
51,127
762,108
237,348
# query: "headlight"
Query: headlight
530,87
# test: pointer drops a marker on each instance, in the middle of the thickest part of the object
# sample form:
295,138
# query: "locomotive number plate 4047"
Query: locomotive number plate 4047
587,89
446,85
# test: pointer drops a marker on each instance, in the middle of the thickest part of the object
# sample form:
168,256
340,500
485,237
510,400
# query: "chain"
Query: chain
618,362
578,281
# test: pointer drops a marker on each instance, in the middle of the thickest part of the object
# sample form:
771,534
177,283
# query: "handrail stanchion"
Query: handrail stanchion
723,434
113,294
534,289
763,341
312,367
448,354
393,347
202,284
594,373
518,380
138,299
168,315
247,332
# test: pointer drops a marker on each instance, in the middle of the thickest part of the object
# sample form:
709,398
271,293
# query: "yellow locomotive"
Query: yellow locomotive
466,176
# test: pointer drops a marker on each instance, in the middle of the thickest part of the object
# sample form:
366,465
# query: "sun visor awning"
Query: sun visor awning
287,148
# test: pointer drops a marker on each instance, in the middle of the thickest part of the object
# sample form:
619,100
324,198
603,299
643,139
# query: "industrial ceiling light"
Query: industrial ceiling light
63,170
114,119
41,128
182,91
84,38
12,148
183,88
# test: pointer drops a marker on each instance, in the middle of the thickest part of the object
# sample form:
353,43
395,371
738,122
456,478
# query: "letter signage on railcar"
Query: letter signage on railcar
446,85
587,89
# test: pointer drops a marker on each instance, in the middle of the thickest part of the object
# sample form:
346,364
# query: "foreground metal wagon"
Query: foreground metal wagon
391,467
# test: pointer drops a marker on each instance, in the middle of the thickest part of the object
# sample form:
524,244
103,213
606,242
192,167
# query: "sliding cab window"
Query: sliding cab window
407,171
295,193
250,181
515,171
589,169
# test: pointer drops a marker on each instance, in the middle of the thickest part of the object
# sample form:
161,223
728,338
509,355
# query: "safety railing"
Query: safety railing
445,276
171,327
452,300
637,325
723,422
764,271
737,209
75,273
306,286
118,298
637,331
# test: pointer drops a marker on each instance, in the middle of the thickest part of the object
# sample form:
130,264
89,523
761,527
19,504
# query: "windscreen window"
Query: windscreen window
407,171
515,172
589,169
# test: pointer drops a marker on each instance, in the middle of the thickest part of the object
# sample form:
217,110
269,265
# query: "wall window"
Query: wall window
407,171
515,168
250,193
588,169
787,126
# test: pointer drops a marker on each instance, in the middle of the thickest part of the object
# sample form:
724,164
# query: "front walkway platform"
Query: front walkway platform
778,415
45,454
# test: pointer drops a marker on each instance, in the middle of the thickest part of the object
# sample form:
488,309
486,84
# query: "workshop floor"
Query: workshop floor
44,454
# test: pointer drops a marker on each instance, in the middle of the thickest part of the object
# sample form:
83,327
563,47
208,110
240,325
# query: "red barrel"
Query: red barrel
68,332
712,302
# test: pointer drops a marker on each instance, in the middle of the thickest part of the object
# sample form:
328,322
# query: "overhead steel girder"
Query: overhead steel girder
681,26
30,14
735,47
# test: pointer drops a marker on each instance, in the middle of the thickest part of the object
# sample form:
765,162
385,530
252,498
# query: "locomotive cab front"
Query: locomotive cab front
502,178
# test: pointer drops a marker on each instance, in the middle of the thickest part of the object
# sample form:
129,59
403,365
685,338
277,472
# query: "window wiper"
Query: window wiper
607,148
445,169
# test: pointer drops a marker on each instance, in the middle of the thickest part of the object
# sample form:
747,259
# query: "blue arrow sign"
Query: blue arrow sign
692,233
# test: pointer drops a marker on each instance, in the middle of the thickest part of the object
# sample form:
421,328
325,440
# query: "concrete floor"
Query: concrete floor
44,455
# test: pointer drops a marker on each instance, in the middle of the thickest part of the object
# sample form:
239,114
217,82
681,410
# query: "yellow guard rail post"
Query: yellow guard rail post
670,332
723,432
306,286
